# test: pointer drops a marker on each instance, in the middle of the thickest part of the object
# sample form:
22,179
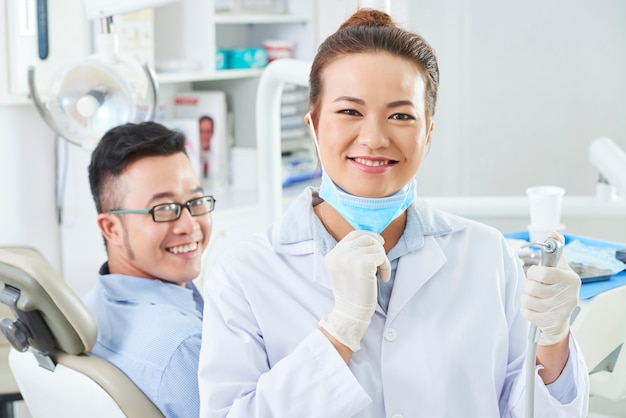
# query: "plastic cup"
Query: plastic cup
545,210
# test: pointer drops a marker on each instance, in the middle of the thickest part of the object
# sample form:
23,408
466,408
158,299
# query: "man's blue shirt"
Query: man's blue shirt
151,330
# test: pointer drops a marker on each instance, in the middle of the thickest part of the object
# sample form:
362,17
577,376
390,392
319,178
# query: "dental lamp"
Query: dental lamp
105,90
610,161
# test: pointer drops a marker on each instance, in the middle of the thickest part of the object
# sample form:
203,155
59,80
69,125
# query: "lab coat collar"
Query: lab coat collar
296,233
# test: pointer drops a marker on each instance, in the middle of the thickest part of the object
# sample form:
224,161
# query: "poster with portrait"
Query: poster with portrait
189,127
209,112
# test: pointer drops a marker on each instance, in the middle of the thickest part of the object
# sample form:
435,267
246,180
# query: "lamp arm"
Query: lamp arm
154,87
37,100
41,107
610,161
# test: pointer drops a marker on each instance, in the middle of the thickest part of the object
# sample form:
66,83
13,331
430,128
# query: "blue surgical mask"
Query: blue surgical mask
363,213
367,214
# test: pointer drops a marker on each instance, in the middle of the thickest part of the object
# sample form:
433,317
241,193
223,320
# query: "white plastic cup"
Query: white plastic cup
545,210
545,205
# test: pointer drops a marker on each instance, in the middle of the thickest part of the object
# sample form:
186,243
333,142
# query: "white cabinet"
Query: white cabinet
188,34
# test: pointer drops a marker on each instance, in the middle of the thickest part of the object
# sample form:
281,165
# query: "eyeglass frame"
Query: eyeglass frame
180,207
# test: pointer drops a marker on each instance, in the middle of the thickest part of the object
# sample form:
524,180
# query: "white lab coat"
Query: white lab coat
452,343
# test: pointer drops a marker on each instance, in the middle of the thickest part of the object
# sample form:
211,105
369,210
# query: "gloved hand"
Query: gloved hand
352,266
550,295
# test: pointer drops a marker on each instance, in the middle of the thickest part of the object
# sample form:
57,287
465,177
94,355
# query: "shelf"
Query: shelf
14,100
256,18
184,77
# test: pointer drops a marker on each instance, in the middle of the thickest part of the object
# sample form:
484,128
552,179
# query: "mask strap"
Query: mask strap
314,135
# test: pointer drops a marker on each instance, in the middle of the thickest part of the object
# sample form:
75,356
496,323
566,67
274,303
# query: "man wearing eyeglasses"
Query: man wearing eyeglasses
155,220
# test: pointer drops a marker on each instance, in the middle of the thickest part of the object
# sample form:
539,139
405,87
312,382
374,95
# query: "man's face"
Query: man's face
206,133
138,246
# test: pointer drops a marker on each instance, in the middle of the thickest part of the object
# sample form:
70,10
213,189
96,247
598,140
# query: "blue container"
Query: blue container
222,59
247,58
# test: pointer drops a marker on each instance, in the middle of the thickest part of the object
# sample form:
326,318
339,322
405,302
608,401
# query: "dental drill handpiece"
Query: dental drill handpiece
551,250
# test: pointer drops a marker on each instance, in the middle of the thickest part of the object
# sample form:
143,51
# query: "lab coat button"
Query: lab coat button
391,335
397,416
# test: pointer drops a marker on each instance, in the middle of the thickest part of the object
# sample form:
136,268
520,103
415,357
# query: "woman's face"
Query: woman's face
371,123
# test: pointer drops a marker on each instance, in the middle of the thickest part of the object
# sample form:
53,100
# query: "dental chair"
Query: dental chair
600,330
9,392
51,335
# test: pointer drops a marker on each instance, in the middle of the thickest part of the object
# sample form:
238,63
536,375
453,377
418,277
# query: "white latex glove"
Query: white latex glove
352,266
549,298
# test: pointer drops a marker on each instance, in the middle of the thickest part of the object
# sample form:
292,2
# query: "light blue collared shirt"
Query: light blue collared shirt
151,330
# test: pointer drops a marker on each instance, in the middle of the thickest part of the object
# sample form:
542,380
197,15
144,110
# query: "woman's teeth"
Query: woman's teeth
371,163
181,249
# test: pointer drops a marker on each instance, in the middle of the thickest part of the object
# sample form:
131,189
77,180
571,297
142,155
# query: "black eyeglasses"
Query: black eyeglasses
168,212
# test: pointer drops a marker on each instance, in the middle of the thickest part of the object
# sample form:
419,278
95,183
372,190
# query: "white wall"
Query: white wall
525,88
27,212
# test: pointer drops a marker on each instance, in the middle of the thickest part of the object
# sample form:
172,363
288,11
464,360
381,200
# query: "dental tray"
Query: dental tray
588,274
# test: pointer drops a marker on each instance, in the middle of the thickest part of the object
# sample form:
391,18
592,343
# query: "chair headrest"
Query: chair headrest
47,310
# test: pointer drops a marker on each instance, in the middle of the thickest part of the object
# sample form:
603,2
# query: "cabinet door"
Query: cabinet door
184,36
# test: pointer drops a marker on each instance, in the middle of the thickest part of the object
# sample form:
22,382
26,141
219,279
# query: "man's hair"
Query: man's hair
122,146
206,117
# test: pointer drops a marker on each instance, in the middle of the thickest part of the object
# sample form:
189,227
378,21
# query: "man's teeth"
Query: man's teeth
371,163
181,249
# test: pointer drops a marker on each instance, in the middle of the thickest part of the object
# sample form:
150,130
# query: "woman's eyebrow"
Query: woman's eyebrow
399,103
349,99
390,105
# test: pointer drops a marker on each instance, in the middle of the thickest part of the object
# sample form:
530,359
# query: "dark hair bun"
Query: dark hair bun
368,17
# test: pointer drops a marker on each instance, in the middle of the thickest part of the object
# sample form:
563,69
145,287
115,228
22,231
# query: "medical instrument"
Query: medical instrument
551,250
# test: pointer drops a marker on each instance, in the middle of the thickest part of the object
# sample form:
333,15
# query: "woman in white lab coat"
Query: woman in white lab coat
364,301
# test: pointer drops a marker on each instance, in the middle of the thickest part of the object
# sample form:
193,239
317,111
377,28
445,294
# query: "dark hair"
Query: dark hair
370,30
206,117
123,145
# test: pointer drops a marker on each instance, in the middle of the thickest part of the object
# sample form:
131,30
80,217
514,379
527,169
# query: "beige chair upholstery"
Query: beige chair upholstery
600,331
51,334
